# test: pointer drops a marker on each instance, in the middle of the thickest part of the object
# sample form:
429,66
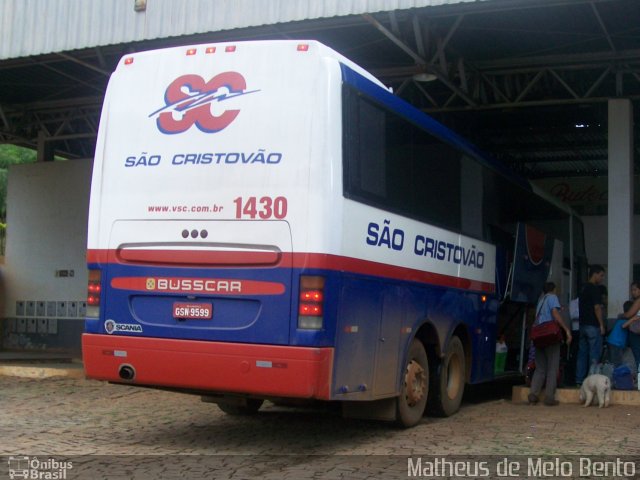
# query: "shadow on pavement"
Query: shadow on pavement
494,390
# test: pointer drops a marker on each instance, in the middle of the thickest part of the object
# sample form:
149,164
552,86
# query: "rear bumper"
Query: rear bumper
268,370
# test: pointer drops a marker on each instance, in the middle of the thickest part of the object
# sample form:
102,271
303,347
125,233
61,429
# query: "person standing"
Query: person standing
548,358
592,326
632,315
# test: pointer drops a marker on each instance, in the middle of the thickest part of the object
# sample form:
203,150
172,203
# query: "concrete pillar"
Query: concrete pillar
45,148
620,223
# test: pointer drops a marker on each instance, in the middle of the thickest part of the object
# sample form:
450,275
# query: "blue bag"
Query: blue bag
618,335
622,378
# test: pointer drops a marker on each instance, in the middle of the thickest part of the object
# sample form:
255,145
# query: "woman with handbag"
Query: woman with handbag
546,335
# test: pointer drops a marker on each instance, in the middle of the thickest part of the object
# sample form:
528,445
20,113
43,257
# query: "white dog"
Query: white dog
596,384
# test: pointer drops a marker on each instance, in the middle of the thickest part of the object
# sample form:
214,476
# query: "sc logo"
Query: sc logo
188,102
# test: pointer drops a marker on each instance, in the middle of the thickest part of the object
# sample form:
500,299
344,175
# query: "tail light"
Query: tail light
94,290
311,303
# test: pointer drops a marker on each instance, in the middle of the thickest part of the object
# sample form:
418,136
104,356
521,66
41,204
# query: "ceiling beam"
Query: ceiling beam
399,43
4,119
106,73
420,62
603,26
580,60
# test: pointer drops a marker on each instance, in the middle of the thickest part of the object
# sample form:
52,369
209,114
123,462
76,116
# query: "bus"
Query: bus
268,221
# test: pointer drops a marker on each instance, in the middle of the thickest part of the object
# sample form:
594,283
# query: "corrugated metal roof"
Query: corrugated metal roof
34,27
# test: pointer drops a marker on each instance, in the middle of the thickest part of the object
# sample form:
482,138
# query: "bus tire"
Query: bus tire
251,407
448,380
414,388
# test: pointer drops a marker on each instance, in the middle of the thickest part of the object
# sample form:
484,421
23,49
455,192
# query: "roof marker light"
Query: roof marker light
210,50
128,60
303,47
230,48
191,51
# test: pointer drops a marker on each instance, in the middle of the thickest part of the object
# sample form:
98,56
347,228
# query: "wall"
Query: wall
595,238
45,275
596,235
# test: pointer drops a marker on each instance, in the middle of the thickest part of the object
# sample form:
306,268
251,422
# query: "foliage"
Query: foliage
11,155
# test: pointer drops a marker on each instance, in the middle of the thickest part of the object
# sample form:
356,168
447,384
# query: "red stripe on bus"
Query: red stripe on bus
321,261
367,267
269,370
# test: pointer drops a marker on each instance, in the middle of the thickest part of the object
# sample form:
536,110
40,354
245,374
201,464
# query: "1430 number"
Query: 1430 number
263,207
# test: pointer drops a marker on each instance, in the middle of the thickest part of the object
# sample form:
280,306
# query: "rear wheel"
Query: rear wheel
246,407
447,381
415,386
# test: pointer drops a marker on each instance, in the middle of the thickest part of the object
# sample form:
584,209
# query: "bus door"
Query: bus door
537,259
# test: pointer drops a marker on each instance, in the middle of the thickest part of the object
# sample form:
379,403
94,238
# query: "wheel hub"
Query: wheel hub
415,382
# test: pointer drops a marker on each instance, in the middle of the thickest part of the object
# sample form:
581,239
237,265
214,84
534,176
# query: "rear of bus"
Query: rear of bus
214,173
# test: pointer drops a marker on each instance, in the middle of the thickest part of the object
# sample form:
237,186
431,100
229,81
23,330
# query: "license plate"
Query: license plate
192,311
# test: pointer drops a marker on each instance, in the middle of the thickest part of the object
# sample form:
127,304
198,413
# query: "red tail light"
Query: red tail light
311,303
94,290
312,296
310,309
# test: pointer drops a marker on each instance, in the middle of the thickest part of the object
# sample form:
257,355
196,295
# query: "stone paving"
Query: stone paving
113,431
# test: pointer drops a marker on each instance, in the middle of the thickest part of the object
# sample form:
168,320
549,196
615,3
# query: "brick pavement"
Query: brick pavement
58,417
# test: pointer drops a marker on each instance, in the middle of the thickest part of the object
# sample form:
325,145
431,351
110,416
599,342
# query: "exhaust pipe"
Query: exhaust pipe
127,372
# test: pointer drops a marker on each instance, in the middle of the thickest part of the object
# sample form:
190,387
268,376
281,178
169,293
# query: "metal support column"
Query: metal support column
620,223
